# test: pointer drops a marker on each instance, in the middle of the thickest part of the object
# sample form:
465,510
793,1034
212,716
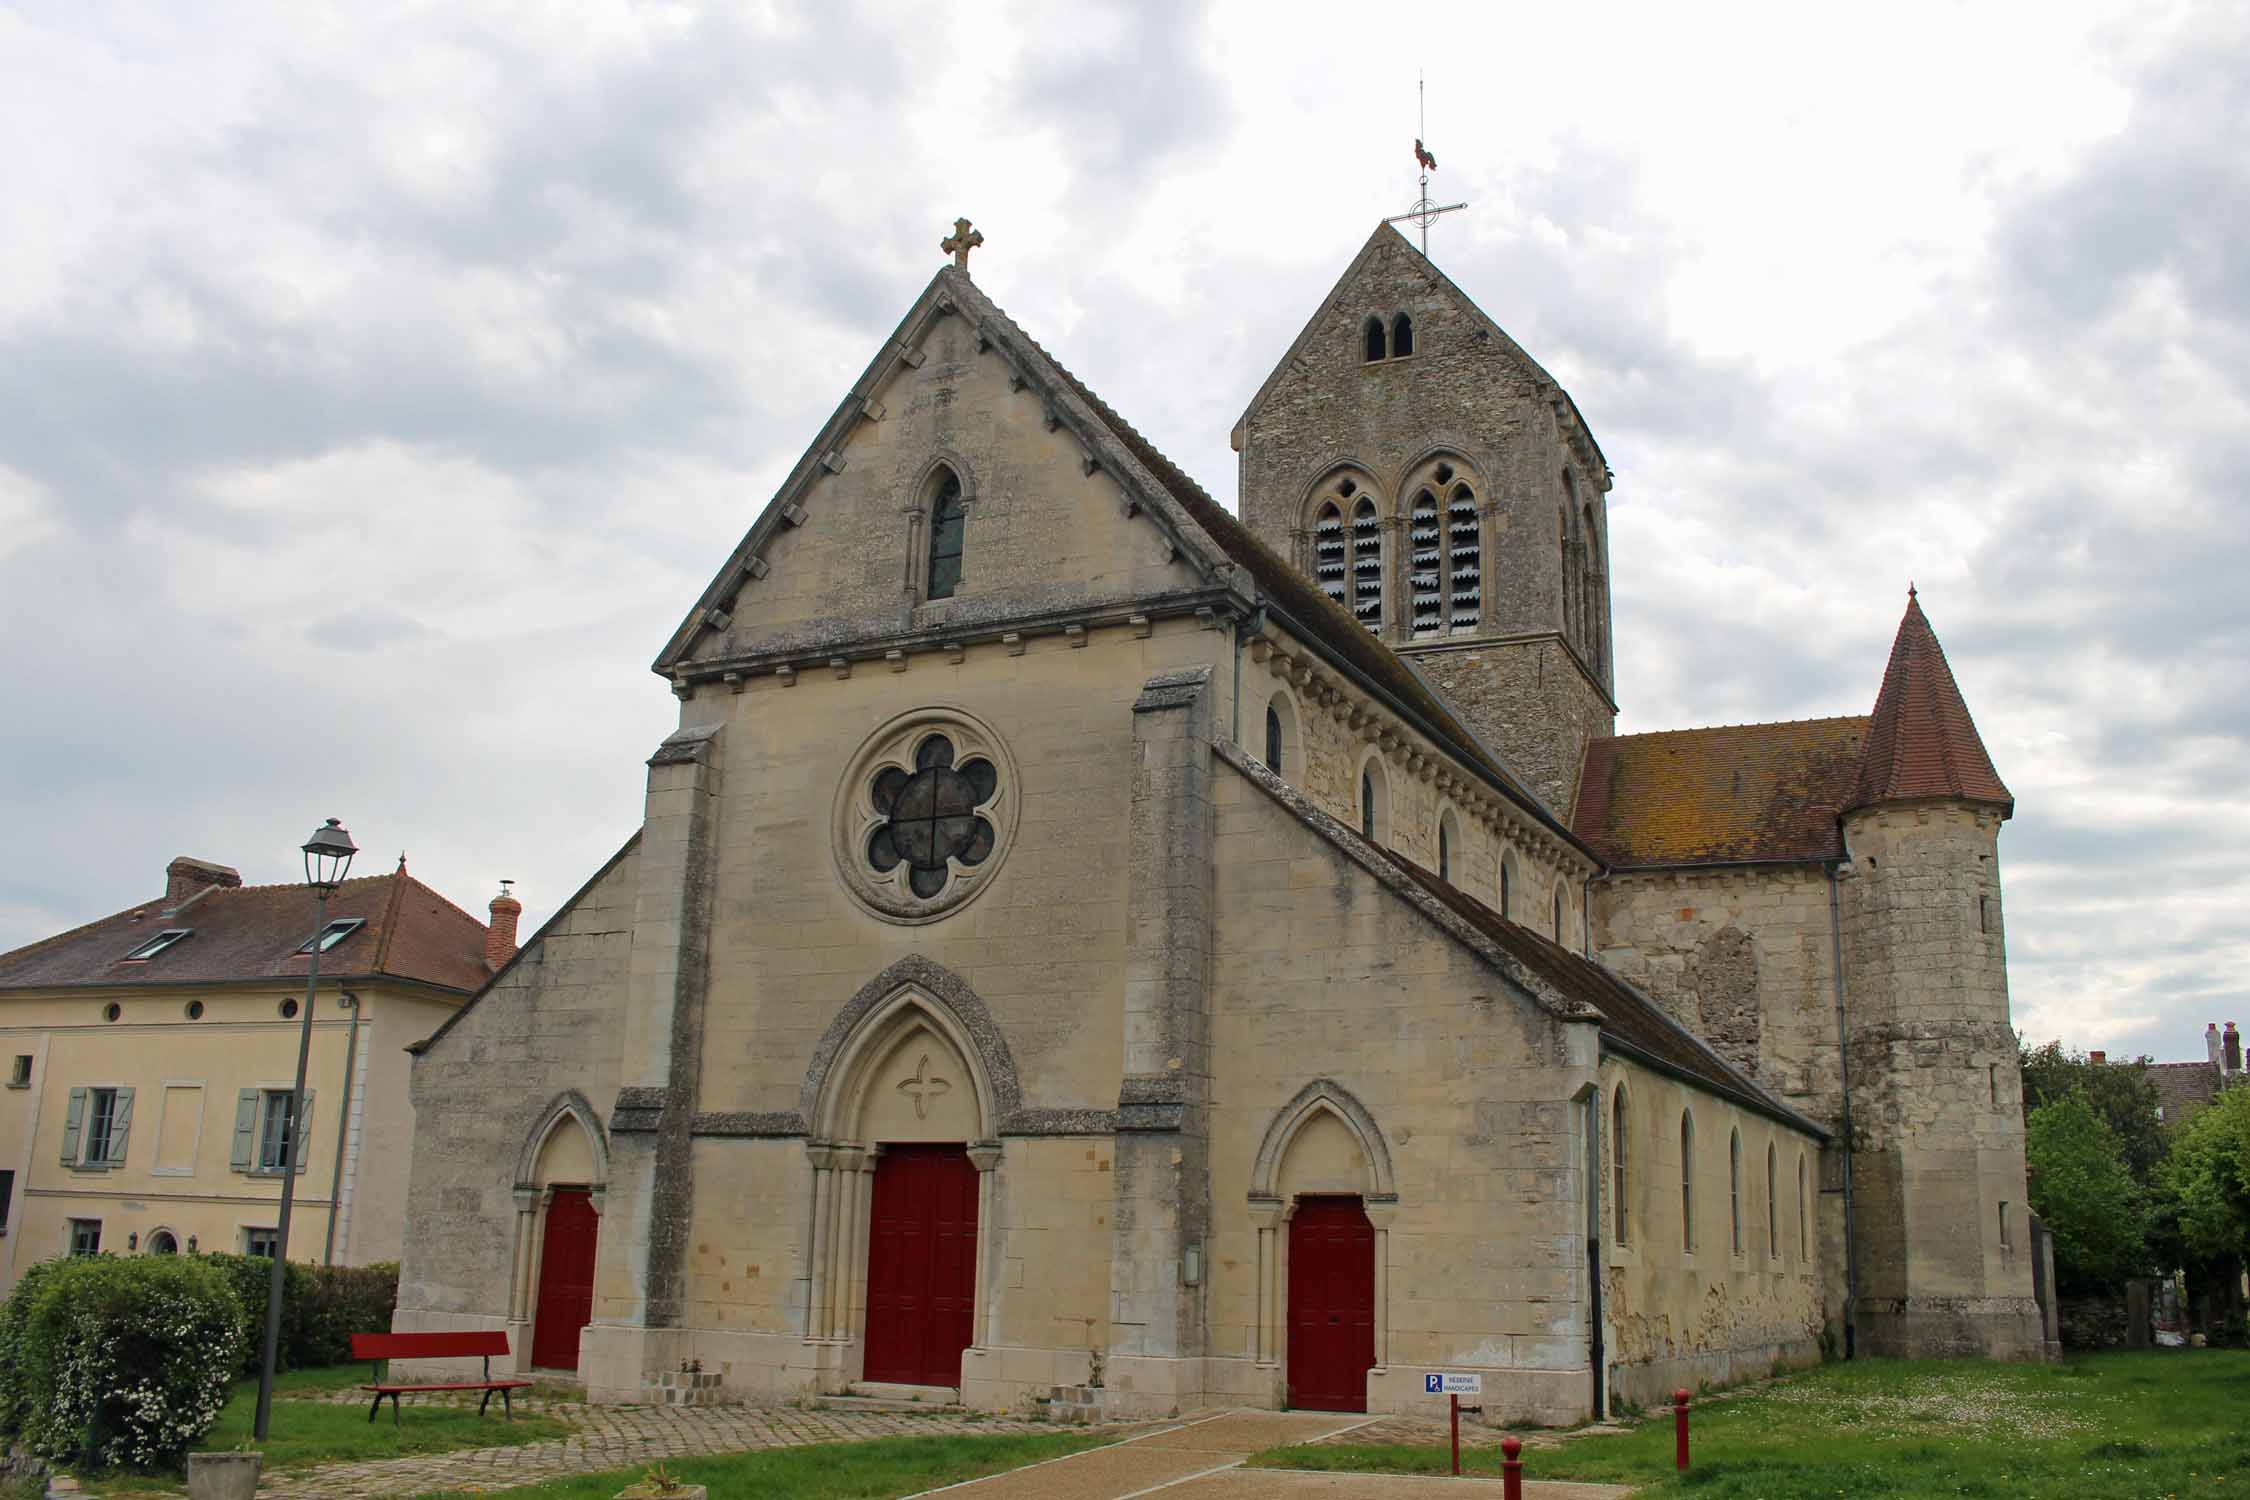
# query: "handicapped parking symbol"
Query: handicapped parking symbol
1431,1384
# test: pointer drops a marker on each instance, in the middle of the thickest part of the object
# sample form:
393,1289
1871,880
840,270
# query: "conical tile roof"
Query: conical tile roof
1921,741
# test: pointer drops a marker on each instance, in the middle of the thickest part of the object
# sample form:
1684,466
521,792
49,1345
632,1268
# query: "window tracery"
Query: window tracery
924,815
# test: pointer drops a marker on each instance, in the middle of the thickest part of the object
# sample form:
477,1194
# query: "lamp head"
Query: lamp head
328,854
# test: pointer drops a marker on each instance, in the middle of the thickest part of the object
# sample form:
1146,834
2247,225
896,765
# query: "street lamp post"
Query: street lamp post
328,854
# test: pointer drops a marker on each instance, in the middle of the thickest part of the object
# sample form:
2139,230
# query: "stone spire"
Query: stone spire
1921,741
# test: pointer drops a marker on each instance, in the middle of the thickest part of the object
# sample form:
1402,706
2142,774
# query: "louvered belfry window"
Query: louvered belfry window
1331,560
1426,575
1367,566
1464,560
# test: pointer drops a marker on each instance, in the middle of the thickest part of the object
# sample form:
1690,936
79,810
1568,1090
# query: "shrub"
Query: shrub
2083,1189
335,1302
126,1361
15,1388
321,1307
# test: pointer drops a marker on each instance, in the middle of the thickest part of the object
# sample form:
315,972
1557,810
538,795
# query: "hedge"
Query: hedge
122,1361
321,1307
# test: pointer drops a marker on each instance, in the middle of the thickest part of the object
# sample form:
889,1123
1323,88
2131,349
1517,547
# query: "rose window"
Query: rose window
932,817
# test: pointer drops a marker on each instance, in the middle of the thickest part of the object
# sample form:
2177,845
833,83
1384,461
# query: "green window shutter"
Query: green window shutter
245,1128
304,1133
73,1123
120,1127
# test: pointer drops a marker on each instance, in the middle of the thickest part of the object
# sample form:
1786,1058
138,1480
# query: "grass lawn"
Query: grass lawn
317,1432
871,1470
2165,1425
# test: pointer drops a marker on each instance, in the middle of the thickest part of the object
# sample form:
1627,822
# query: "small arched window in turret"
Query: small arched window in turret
1375,349
947,526
1402,336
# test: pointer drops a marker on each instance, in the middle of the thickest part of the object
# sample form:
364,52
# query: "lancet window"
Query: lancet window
1375,342
947,525
1402,336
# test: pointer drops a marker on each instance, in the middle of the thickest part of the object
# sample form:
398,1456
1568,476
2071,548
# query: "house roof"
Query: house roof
1566,984
2183,1087
252,933
1921,741
1737,793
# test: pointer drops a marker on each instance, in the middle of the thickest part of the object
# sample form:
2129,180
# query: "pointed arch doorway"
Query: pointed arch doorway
904,1099
561,1176
566,1278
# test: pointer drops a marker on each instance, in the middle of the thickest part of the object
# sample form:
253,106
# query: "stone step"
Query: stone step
928,1395
886,1405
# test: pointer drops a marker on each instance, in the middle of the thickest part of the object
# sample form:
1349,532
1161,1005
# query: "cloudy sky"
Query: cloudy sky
380,384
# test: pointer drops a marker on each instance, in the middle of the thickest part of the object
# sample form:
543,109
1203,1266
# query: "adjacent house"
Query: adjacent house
149,1059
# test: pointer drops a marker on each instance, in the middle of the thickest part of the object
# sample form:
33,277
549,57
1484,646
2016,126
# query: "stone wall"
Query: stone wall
1714,1279
1937,1110
1531,700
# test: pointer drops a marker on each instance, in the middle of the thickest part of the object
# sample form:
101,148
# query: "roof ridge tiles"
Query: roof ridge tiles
1650,734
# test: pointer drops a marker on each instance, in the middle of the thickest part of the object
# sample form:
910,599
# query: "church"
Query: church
1079,937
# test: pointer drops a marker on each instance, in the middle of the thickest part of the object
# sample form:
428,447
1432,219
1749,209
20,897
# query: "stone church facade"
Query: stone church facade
1076,933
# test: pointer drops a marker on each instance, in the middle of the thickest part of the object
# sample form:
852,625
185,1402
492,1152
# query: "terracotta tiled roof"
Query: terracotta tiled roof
1921,741
252,933
1294,595
2183,1087
1715,796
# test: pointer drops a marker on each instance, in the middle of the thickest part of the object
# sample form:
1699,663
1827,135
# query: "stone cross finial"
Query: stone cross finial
959,243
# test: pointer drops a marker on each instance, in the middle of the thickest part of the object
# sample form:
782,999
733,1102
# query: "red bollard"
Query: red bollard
1679,1430
1511,1469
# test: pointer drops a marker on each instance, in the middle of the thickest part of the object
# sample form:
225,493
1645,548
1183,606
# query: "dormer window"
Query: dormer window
156,945
334,933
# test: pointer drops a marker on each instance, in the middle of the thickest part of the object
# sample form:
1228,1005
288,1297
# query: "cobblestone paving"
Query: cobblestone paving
614,1437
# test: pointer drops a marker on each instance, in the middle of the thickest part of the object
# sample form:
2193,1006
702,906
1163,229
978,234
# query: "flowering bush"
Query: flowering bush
122,1361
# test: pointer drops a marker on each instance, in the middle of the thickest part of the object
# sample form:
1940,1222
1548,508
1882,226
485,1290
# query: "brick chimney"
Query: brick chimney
185,878
2212,1045
2097,1058
2233,1042
500,937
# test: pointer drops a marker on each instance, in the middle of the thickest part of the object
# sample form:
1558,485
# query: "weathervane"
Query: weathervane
1424,211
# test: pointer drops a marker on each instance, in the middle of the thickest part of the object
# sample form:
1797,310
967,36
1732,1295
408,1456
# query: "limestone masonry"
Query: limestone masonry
1080,939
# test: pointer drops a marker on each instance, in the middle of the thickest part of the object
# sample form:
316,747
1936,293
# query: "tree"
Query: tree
2083,1190
2207,1179
2121,1094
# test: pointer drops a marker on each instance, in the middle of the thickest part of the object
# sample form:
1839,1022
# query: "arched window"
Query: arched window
1464,549
1402,336
1425,577
1374,339
946,528
1687,1181
1445,827
1374,803
1566,603
1773,1217
1367,566
1273,739
1282,749
1507,883
1590,594
1734,1186
1617,1161
1558,914
1804,1235
1331,555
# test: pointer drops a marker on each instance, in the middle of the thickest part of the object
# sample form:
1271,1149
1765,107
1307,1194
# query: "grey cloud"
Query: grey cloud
366,629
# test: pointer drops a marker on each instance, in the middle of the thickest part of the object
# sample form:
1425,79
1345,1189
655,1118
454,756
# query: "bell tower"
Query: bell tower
1442,489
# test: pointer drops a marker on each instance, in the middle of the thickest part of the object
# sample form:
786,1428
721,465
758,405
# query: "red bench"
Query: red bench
381,1348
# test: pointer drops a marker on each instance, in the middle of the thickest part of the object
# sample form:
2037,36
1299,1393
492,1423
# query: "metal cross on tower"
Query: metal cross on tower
959,243
1424,212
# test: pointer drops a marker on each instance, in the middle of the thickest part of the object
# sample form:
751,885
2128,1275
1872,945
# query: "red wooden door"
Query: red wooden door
921,1264
1331,1304
566,1279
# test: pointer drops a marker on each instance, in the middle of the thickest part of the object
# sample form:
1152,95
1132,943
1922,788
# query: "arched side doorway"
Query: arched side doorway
902,1153
559,1187
1323,1196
